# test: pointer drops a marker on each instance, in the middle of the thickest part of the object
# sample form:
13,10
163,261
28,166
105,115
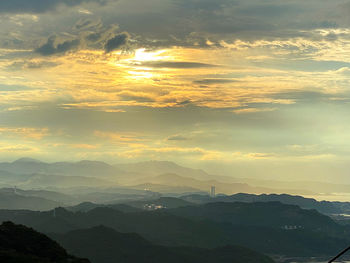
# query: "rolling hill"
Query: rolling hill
105,245
206,226
324,207
19,244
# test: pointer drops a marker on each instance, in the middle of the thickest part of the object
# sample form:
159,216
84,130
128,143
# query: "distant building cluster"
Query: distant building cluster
153,207
286,227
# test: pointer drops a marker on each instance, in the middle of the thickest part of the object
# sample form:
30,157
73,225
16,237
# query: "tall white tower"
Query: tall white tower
212,191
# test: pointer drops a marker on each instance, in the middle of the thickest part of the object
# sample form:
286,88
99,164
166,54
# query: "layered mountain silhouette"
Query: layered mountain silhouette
18,199
324,207
159,176
105,245
265,227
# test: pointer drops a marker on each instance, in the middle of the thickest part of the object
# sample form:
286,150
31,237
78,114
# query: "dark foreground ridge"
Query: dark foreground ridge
105,245
20,244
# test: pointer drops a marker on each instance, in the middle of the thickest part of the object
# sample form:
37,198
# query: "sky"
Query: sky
247,88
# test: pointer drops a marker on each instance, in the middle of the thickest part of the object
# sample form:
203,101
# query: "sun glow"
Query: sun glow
141,55
134,64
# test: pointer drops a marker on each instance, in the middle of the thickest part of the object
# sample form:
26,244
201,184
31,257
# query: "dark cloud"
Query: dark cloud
135,98
19,65
50,48
85,24
177,138
215,81
116,42
39,6
184,103
206,4
179,64
304,96
100,35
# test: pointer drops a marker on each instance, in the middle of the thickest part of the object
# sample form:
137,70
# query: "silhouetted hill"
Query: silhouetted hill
9,179
20,244
105,245
50,180
175,180
163,167
105,197
270,214
87,206
164,202
11,199
324,207
83,207
27,166
49,195
206,226
161,188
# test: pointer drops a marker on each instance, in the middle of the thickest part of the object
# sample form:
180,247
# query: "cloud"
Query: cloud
39,6
17,148
26,132
51,48
177,138
85,24
84,146
253,110
118,137
177,64
116,42
214,81
32,64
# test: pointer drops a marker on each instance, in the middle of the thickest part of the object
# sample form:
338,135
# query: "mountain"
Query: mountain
327,188
49,195
105,245
19,244
48,180
272,228
271,214
324,207
27,160
166,189
11,199
88,206
8,179
41,200
164,177
27,166
177,181
158,227
163,202
104,197
162,167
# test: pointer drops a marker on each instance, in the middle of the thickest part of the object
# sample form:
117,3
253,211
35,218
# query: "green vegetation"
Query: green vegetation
19,244
105,245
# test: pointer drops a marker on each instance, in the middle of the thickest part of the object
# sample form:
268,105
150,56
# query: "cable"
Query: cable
339,255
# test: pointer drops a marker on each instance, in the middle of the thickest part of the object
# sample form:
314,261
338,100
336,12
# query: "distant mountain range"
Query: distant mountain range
11,199
324,207
82,168
157,176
